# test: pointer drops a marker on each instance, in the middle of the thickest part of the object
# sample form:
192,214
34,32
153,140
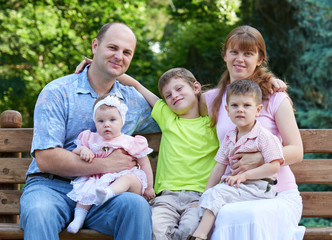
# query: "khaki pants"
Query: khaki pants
173,214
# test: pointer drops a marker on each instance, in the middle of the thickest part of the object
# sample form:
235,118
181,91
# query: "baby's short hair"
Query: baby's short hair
180,73
245,87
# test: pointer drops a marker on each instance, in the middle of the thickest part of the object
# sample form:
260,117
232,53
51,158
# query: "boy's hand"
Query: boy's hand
278,85
87,155
80,67
237,179
149,193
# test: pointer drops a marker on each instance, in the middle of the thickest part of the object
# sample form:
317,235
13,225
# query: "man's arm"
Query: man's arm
62,162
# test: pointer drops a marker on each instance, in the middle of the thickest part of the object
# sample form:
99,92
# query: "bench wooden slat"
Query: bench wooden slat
19,140
9,202
317,204
310,171
15,139
317,140
13,170
318,233
313,171
14,231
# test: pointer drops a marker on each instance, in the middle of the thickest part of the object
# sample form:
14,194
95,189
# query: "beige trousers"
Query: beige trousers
175,214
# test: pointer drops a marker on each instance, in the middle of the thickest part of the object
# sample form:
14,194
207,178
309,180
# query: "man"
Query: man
63,110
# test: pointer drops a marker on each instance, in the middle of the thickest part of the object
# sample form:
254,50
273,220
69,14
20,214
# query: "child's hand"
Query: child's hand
237,179
194,206
80,67
149,193
87,155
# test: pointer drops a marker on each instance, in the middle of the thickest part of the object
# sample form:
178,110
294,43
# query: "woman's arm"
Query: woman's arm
145,165
289,132
147,94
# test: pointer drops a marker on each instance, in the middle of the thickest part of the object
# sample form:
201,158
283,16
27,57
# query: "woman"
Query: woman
244,53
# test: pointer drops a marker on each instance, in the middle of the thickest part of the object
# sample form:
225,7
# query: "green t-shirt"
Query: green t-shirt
186,153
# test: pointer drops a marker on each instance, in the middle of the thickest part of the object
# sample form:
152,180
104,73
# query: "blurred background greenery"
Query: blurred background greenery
44,40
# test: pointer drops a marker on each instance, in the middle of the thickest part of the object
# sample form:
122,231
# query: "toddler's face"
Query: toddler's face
108,122
243,110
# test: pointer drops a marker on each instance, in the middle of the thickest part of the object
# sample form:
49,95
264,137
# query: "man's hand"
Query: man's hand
119,160
246,161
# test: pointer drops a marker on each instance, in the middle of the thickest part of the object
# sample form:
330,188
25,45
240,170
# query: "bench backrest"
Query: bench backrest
13,167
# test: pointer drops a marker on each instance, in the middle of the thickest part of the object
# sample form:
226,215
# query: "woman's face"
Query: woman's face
241,64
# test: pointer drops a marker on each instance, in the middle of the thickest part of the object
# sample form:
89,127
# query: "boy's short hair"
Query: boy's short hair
180,73
245,87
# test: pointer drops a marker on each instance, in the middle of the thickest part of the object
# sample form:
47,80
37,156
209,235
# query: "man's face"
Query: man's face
114,52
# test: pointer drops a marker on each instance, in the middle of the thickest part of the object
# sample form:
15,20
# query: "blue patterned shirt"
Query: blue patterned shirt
65,108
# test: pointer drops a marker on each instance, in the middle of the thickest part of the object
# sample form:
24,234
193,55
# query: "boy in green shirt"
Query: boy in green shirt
186,155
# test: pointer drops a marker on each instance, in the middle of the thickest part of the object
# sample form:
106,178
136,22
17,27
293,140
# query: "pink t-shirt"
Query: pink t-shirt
286,179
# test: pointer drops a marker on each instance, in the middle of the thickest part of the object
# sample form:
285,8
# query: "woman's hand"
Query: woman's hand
246,161
80,67
277,85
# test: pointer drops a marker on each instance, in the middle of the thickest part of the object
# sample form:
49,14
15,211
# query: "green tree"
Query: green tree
298,34
43,40
194,34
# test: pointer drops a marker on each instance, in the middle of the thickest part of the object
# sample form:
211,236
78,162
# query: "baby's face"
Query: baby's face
108,122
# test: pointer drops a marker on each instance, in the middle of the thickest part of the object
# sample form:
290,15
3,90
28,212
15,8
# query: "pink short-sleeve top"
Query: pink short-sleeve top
136,146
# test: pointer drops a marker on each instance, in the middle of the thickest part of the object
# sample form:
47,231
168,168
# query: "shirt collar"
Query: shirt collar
85,87
250,135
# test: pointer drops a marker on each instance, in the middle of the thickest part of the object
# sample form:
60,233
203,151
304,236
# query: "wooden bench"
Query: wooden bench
14,141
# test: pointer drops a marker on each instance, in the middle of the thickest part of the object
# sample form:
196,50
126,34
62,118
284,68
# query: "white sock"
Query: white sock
77,223
103,194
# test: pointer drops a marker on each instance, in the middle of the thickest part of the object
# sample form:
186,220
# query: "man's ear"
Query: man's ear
94,45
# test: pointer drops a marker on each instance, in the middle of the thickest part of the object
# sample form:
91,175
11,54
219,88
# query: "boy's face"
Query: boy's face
182,98
108,122
243,110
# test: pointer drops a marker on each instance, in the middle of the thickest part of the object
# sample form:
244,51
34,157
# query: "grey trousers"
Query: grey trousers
175,214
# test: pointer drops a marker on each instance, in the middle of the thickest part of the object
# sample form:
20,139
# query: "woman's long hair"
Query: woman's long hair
246,38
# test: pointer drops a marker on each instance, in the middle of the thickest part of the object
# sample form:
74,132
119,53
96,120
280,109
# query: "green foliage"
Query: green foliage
43,40
316,222
298,35
193,36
